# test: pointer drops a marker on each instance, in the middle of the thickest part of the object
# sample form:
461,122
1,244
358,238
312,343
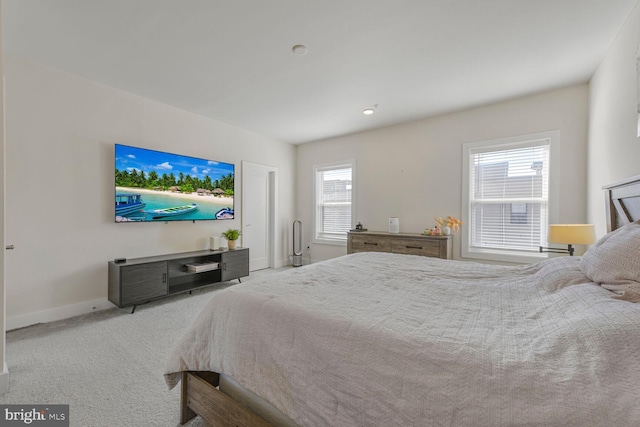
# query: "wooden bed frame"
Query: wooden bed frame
622,202
201,396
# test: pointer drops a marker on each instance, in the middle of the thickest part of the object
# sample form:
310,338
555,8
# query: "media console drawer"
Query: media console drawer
400,243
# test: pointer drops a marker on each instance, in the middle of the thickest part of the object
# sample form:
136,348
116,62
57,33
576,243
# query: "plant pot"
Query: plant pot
231,244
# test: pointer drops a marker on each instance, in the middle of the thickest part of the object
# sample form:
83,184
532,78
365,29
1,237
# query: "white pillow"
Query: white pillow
614,262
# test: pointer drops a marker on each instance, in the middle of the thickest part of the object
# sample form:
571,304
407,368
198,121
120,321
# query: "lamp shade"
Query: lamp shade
572,234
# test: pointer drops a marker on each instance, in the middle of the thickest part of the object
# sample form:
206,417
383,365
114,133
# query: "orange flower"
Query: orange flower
453,223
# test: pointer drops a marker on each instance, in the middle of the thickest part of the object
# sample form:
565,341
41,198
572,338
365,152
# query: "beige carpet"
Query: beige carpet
108,366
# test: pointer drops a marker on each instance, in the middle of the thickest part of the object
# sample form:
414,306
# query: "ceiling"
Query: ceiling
233,60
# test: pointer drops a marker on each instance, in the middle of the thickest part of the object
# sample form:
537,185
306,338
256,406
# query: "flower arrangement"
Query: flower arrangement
444,226
453,223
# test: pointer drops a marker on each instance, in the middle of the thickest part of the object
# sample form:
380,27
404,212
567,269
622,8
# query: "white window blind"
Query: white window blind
333,210
509,196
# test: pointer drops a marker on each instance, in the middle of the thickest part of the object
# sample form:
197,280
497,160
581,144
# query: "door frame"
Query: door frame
272,208
4,371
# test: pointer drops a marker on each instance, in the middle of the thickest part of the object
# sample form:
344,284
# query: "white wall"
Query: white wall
414,170
61,132
614,148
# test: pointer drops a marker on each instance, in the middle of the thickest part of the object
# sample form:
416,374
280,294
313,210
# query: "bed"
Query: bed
386,339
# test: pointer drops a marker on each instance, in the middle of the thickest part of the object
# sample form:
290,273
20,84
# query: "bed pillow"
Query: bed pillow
614,262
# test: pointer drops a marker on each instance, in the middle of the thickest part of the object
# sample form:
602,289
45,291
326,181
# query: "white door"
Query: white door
258,214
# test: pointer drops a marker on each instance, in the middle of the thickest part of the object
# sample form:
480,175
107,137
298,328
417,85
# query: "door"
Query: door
142,282
235,264
259,213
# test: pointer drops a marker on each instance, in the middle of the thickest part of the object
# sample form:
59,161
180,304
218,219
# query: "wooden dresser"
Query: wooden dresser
399,243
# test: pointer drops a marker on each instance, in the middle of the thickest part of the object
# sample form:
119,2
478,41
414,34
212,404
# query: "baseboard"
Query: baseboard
4,380
282,263
58,313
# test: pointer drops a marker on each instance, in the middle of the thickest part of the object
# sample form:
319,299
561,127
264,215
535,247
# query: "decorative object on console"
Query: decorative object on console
444,226
214,243
394,225
569,234
231,235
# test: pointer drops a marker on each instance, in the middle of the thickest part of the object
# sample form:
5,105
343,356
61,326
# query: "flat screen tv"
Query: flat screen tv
152,186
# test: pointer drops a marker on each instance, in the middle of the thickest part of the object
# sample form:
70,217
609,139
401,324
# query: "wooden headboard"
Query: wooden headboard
622,202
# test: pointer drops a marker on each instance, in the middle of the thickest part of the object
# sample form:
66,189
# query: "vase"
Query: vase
214,243
231,244
445,230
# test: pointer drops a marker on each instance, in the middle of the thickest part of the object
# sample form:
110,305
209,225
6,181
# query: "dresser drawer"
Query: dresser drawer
370,243
422,247
400,243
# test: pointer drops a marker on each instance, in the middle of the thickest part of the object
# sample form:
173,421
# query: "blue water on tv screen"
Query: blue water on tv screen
157,186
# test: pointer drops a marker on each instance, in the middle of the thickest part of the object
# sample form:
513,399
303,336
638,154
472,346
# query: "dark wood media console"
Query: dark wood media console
139,280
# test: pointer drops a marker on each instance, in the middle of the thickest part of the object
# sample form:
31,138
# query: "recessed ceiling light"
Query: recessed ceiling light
370,110
299,49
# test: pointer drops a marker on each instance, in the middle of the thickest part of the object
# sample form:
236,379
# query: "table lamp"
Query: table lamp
570,234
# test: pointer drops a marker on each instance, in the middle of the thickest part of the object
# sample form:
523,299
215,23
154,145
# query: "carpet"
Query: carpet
108,366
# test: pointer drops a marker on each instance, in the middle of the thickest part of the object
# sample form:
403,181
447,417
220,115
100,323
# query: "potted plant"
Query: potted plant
231,235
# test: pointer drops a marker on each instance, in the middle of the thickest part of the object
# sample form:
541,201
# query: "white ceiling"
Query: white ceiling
232,60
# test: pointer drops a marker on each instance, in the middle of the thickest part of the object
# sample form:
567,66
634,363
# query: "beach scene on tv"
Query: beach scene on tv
157,186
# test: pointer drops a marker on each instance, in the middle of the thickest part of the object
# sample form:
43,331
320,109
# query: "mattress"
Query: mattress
388,339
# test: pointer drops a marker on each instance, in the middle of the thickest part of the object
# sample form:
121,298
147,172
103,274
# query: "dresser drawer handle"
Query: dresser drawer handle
367,243
413,247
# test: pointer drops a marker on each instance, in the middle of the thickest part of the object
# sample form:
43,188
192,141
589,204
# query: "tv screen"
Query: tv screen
153,186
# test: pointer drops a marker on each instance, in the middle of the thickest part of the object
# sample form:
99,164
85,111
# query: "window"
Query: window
334,194
506,197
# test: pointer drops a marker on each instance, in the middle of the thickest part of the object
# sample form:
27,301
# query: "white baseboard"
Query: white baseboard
58,313
282,263
4,380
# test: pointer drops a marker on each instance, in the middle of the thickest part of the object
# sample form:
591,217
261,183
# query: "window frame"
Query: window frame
508,255
351,163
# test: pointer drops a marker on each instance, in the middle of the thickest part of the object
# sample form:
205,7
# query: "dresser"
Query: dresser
399,243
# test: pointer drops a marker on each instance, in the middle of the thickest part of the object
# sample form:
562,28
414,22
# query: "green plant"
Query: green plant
231,234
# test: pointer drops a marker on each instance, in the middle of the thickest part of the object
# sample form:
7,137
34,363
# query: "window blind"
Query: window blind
509,196
333,202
